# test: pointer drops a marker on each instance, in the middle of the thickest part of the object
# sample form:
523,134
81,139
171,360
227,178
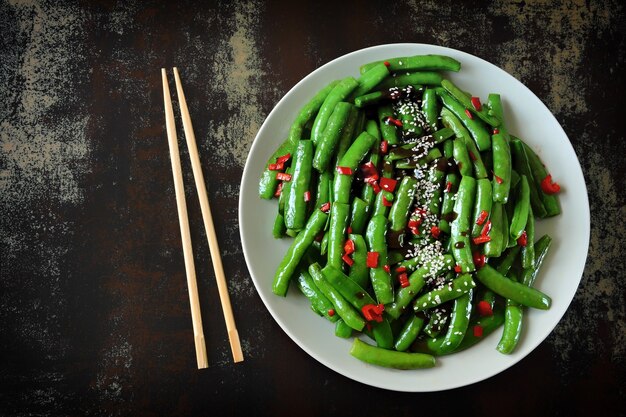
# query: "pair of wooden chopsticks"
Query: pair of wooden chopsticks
181,204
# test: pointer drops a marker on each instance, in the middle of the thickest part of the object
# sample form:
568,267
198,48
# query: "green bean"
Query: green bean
449,120
437,177
284,194
375,239
342,307
459,321
460,229
358,271
342,329
338,224
507,242
483,203
328,140
418,63
409,332
369,99
512,331
367,194
279,229
347,133
319,302
457,287
399,213
389,358
516,291
505,262
447,205
324,243
521,165
542,246
442,134
487,324
307,112
407,151
380,209
387,130
358,215
296,207
268,182
322,196
296,251
461,157
448,149
394,257
407,113
550,201
501,168
412,78
522,206
339,93
370,79
355,153
466,101
430,108
438,319
528,251
477,129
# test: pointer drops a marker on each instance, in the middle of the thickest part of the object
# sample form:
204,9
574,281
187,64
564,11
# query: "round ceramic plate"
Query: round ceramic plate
526,117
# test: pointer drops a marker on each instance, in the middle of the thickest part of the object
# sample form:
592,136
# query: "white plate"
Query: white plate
526,117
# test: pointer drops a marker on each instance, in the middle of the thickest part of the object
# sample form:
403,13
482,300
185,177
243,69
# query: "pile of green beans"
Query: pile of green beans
412,211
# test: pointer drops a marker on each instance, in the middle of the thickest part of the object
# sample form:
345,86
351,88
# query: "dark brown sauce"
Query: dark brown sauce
395,240
442,164
459,245
450,217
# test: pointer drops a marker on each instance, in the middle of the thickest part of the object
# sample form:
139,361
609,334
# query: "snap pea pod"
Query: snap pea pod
319,302
449,120
307,112
358,215
324,243
430,108
372,98
437,177
410,163
355,153
438,319
279,229
387,130
459,286
358,271
506,261
542,246
448,149
394,256
342,307
466,101
370,79
405,295
327,142
418,63
296,207
411,125
460,228
347,132
520,163
322,196
459,321
340,92
338,224
399,213
501,168
268,181
447,205
284,194
390,358
367,194
412,78
409,332
442,134
358,298
477,129
296,251
380,208
482,203
522,207
375,239
516,291
550,201
513,313
342,329
461,157
528,251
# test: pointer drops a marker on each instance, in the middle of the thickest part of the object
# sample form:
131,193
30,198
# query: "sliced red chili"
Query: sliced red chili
403,279
348,247
373,312
457,269
283,159
347,259
484,308
469,114
344,170
448,187
476,103
387,268
523,239
388,184
386,202
384,147
283,176
482,217
372,260
279,189
496,131
325,207
349,230
478,331
401,269
548,186
386,63
486,228
481,239
331,312
369,170
435,231
276,167
307,196
391,120
479,259
498,179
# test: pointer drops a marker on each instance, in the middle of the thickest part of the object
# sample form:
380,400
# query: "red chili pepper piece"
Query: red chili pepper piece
498,179
347,259
282,176
279,189
374,185
481,239
548,186
369,171
386,202
372,260
388,184
325,207
349,229
435,231
373,312
486,228
344,170
457,269
387,268
469,114
283,159
275,167
523,239
401,269
391,120
414,226
348,248
331,312
476,103
479,259
448,187
484,308
386,63
307,196
478,331
496,131
319,236
482,217
403,279
384,147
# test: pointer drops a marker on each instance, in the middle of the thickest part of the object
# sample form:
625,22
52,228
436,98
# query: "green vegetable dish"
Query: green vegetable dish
412,210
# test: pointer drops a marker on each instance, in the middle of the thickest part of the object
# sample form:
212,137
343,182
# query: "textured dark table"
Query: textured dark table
94,313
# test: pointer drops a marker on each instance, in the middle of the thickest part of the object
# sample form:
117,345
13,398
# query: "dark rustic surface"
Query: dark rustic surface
94,313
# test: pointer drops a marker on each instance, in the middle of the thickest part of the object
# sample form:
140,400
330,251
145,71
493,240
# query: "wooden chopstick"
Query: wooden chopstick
181,204
233,335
